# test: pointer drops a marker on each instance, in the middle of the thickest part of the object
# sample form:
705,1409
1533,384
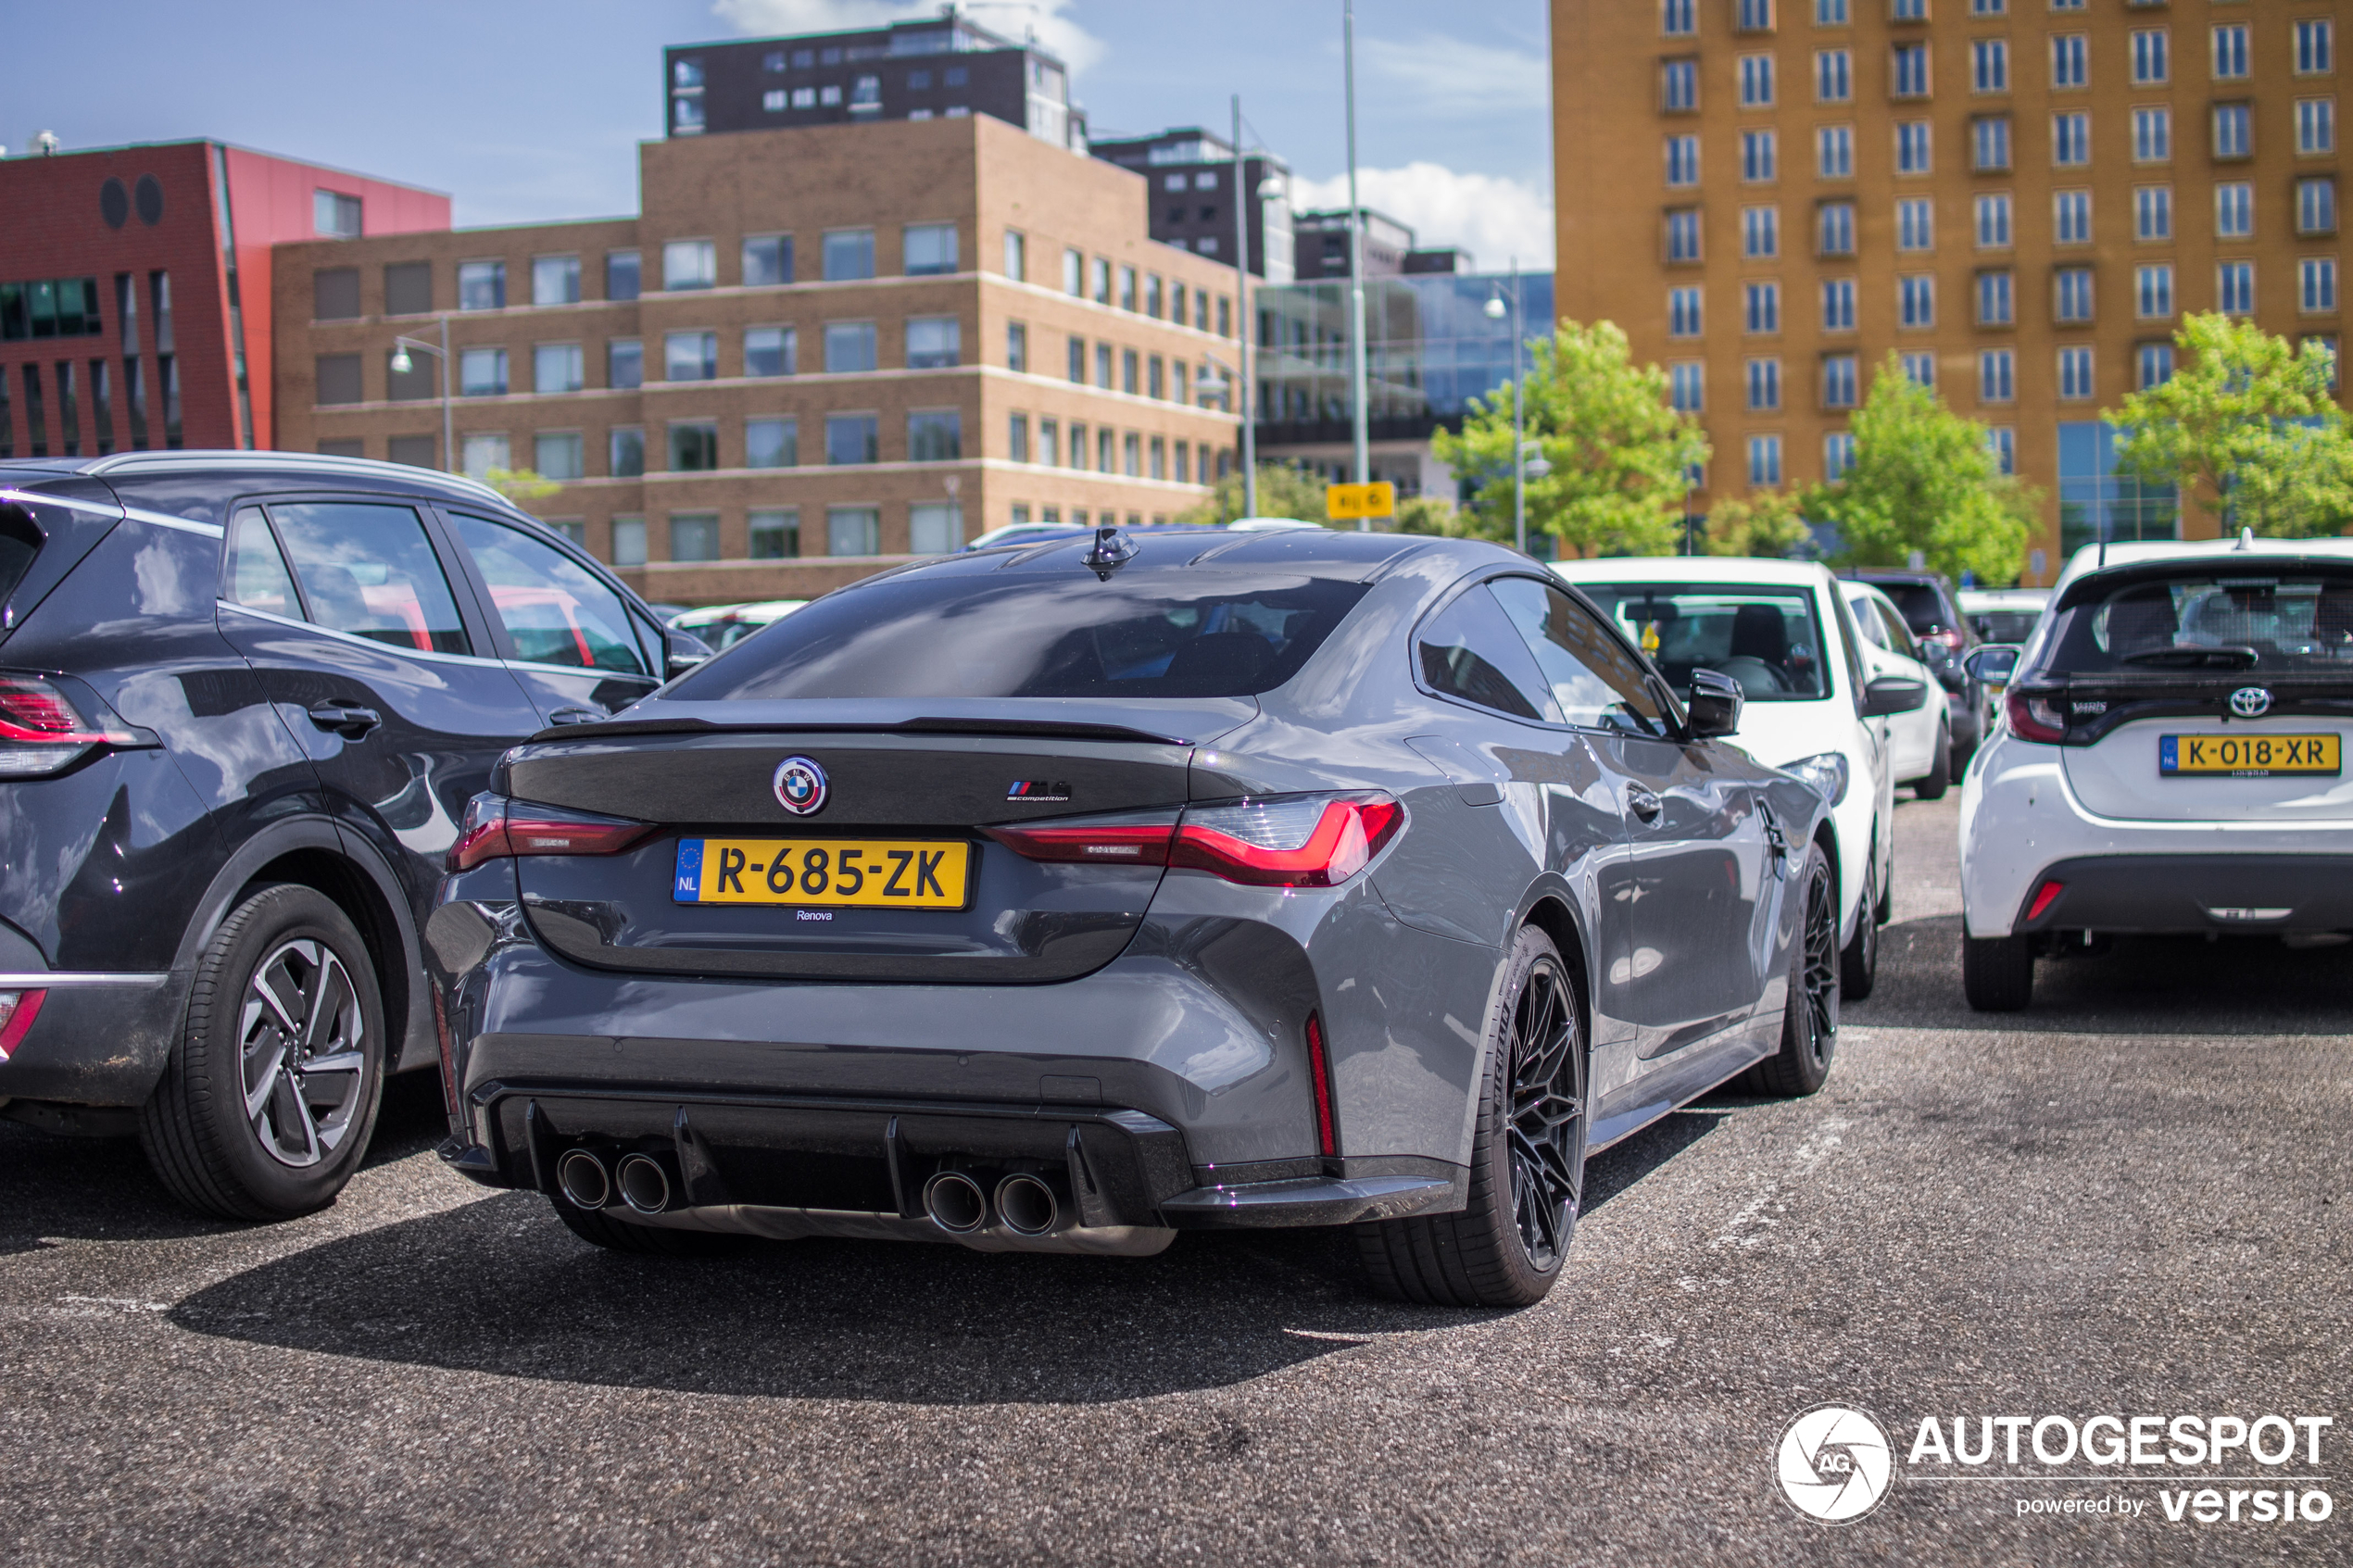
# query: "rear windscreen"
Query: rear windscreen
1766,638
1168,633
2005,625
2205,620
1923,606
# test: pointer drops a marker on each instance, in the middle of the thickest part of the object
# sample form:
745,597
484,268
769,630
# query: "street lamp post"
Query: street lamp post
1243,323
1362,419
1524,467
402,365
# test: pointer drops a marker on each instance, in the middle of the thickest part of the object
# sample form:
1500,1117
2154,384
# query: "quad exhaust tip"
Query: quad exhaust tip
1027,1204
645,1186
955,1203
582,1176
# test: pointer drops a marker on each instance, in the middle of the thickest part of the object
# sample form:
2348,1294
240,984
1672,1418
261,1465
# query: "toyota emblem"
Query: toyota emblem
800,785
2250,702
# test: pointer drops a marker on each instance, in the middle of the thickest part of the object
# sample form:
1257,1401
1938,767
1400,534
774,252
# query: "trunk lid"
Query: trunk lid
2117,729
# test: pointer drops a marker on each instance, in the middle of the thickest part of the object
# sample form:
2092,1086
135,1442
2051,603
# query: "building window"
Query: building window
1682,161
2153,365
1753,16
1834,151
1990,142
1756,81
1102,366
1099,280
2153,292
1916,302
1682,234
1909,72
2315,52
1760,232
2153,213
850,347
930,249
555,280
767,260
2002,441
625,452
2150,65
689,264
1830,12
481,286
1017,346
1050,442
935,436
851,439
629,541
691,357
2235,210
1128,288
865,95
557,367
694,446
1990,64
623,275
933,343
481,373
850,255
1995,306
1017,438
1764,459
1762,307
1837,455
1997,376
2075,375
774,535
1764,386
1073,274
2070,140
1016,255
772,444
2234,288
1993,214
935,528
2315,125
1840,380
771,351
624,364
1912,147
2069,55
2074,294
1838,305
1834,229
853,531
1682,313
334,215
2316,284
1989,7
480,454
1914,224
2152,135
1687,386
2316,205
2234,132
1076,356
694,537
1757,156
1833,76
2324,344
2230,53
1919,368
2072,217
1679,18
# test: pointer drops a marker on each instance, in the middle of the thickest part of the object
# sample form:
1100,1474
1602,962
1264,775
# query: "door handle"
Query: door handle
576,716
1643,803
345,719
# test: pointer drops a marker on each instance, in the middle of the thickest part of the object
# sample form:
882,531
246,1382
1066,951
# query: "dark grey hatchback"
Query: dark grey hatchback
1062,897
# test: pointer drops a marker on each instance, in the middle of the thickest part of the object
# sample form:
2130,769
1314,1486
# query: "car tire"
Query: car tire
1809,1019
1997,972
233,1128
1940,773
597,1226
1858,961
1528,1157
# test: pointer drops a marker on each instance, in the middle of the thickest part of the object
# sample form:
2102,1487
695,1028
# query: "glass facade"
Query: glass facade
2096,502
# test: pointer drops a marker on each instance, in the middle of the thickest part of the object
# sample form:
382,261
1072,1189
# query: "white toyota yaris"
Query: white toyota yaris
2171,758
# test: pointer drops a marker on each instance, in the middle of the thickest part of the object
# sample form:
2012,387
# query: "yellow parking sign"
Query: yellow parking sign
1344,503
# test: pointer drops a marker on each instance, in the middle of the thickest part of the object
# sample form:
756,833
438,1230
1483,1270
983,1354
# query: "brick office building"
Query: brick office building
135,289
815,352
2020,197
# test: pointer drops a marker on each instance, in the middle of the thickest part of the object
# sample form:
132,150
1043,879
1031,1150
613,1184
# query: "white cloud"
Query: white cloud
1059,34
1449,79
1494,217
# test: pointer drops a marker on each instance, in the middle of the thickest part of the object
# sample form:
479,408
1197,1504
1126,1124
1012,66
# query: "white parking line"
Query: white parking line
1749,1226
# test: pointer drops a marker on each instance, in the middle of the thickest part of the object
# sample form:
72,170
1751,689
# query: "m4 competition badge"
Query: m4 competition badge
800,785
1038,789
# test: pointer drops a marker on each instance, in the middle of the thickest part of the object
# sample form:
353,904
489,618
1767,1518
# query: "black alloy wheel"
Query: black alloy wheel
1809,1022
1505,1248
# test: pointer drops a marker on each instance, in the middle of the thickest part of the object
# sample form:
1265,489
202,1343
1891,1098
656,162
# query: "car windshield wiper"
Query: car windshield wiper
2196,657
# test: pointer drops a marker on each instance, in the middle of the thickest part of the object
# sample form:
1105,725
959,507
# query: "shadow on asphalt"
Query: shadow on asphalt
2171,985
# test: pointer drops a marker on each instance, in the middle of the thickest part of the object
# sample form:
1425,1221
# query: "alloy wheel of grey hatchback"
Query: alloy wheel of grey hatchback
301,1031
1547,1147
1819,977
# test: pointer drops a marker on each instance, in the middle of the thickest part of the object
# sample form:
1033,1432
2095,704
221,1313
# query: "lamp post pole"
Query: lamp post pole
400,363
1362,431
1519,451
1243,323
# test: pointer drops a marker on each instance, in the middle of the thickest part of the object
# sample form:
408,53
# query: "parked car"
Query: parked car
2172,758
723,626
1048,532
1932,609
1063,900
2004,615
1919,742
244,697
1782,631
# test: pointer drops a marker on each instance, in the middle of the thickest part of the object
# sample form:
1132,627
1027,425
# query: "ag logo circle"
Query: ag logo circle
1835,1464
2250,702
800,785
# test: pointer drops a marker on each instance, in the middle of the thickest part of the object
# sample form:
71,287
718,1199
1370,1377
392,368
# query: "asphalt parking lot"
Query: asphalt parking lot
2123,1201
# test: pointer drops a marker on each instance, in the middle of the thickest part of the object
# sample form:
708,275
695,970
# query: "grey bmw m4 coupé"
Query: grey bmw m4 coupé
1062,897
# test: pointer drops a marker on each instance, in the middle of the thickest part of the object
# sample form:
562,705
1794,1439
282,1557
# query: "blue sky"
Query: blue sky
529,109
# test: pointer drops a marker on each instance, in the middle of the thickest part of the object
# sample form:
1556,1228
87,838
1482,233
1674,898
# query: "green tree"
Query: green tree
1431,514
1283,491
1617,451
1767,522
2247,424
1923,479
521,485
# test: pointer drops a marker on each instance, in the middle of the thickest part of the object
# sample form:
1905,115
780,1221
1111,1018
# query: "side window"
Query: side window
1867,620
1847,638
1595,682
255,575
1469,651
1899,636
369,570
554,610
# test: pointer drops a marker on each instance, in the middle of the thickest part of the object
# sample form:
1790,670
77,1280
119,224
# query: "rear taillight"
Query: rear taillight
1319,1072
18,1010
2034,716
496,828
1950,636
41,731
1282,841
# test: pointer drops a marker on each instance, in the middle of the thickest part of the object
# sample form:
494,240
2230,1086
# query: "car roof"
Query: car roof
1310,552
1694,568
2005,598
2138,557
274,465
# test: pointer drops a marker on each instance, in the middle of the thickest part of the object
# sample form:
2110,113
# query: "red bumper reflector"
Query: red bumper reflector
2044,897
1319,1072
18,1010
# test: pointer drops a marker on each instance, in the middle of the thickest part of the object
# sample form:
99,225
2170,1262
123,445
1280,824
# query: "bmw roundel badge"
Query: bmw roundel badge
800,785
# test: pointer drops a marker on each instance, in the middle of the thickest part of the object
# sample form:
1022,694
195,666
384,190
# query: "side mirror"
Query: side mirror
1714,707
1992,663
682,651
1892,695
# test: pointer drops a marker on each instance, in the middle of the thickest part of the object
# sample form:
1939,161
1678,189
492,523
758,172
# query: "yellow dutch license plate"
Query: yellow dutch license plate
2249,757
827,874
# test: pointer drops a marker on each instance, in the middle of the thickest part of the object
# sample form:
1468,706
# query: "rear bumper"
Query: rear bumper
2158,894
99,1039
